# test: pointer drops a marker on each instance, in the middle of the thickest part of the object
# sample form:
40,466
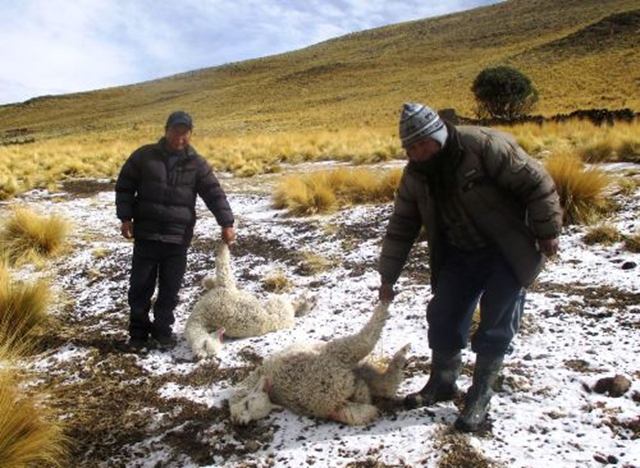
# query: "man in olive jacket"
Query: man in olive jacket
491,215
155,202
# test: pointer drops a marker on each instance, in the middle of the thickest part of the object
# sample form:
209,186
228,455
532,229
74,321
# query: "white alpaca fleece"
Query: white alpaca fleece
228,310
330,380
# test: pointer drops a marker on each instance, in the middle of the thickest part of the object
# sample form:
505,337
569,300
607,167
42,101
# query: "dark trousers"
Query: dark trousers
160,262
465,278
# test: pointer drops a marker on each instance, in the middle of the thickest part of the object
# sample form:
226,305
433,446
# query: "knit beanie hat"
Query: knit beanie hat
418,121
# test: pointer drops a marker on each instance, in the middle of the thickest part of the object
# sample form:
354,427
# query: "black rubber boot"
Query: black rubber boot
445,369
474,415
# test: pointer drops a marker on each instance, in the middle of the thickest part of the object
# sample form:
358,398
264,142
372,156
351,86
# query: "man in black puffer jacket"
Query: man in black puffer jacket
155,202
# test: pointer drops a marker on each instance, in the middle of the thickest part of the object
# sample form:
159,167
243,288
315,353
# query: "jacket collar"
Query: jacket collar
448,158
189,151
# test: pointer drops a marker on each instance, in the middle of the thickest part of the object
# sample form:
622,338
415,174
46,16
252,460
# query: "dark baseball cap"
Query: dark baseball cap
179,118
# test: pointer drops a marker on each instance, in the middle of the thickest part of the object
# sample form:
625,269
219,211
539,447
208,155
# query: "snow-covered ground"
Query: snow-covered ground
165,409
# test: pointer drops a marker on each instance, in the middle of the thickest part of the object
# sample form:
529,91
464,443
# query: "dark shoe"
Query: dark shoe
136,345
445,369
165,341
474,414
430,395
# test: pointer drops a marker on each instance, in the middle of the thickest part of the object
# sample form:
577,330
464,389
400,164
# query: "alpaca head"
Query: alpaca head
254,405
210,345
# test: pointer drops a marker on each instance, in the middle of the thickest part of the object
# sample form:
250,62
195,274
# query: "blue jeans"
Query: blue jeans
464,279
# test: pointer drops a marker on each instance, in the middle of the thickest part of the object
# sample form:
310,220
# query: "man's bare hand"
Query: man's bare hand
228,235
549,247
127,229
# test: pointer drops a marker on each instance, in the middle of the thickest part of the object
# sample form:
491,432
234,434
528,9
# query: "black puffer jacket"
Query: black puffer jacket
161,200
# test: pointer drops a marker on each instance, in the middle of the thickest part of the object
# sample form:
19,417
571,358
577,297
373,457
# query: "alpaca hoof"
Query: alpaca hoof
402,352
305,303
356,414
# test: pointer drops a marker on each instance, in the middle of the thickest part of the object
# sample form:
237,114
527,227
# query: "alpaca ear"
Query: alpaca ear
266,384
220,333
261,385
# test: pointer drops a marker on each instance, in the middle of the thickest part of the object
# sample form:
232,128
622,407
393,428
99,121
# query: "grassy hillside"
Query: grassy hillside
579,53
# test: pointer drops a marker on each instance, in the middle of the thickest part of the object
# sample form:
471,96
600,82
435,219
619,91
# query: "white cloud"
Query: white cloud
62,46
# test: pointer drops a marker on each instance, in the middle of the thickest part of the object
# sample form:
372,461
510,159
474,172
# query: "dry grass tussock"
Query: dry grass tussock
619,142
8,187
28,236
255,154
325,191
277,282
608,235
632,243
28,434
312,264
45,164
603,234
582,191
627,185
23,312
48,163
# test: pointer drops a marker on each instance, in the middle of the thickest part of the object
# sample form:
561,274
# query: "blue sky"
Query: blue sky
64,46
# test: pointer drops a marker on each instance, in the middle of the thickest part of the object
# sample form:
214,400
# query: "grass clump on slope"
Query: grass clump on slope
603,234
582,191
23,311
28,435
326,191
29,236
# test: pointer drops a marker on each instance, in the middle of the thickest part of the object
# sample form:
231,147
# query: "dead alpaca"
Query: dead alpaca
227,310
327,380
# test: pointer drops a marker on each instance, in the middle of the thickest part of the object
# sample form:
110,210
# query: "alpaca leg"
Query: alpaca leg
361,393
303,304
355,414
224,275
352,349
202,343
386,384
280,313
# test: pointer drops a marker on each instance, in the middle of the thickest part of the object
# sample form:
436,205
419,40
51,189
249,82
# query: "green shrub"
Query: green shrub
503,92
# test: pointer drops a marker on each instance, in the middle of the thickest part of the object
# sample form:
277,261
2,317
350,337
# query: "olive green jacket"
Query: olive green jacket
508,195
